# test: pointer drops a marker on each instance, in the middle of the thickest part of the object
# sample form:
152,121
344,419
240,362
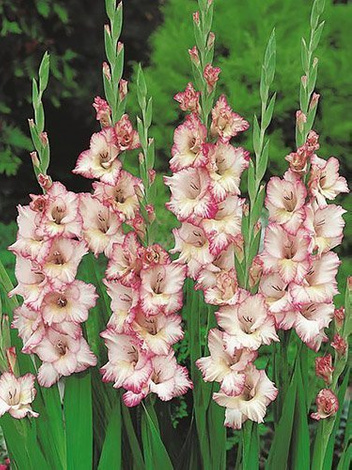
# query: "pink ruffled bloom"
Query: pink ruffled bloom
190,194
226,165
340,345
285,202
247,324
225,368
225,123
100,161
251,403
324,368
103,111
188,140
189,99
126,137
16,395
327,404
211,75
310,321
325,181
285,253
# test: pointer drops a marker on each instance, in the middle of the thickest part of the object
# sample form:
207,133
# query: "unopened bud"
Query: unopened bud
315,62
45,181
301,119
211,40
31,123
141,158
339,344
151,212
151,176
339,315
245,209
107,29
43,136
120,47
304,81
314,101
123,90
196,18
139,190
106,70
11,357
35,159
193,53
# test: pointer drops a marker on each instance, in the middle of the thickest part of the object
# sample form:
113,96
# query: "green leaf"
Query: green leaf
280,447
300,450
304,56
155,454
43,8
251,182
79,421
111,455
132,439
262,165
44,72
117,22
256,136
269,112
250,460
317,35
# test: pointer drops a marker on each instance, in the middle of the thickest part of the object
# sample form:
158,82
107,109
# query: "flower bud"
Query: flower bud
45,181
255,271
211,40
120,47
301,119
141,158
43,136
304,81
107,29
196,18
123,89
327,404
339,315
106,71
314,101
211,75
11,358
193,53
151,212
324,368
35,159
339,344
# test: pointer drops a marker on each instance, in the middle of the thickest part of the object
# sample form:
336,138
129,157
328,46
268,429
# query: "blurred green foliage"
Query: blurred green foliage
242,29
28,28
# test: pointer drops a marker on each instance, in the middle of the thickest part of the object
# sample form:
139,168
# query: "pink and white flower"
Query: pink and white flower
189,99
16,395
319,283
277,296
122,197
29,242
101,226
189,138
258,392
285,253
158,332
311,319
327,404
129,366
124,303
247,324
325,181
226,165
226,123
324,368
220,286
126,137
285,202
225,368
161,288
70,303
100,161
62,355
125,260
190,194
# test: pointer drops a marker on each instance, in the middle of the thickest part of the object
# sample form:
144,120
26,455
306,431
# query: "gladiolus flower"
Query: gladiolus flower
126,137
129,366
225,368
188,140
100,161
339,315
29,242
124,262
71,303
285,202
325,181
276,294
161,288
211,75
122,196
285,253
158,332
103,111
189,99
310,320
62,355
324,368
226,123
102,227
124,302
319,284
339,344
247,324
190,194
258,392
327,404
326,226
226,165
16,395
220,287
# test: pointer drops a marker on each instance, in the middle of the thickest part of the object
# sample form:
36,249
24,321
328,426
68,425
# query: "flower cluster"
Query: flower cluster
145,287
48,250
299,268
205,197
